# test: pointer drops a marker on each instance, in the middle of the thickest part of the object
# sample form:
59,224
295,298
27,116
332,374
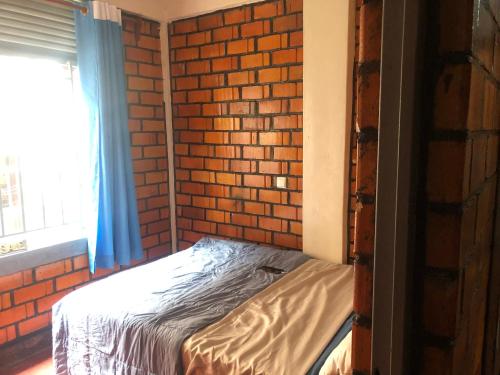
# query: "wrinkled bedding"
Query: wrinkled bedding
135,322
281,330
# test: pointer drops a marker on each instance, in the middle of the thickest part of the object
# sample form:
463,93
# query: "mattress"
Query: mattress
339,360
220,307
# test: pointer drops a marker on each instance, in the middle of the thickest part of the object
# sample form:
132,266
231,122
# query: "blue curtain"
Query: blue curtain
112,223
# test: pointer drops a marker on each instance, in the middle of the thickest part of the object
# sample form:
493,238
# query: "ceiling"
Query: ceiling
168,10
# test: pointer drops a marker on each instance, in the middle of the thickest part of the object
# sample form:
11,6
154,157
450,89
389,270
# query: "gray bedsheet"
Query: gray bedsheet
135,322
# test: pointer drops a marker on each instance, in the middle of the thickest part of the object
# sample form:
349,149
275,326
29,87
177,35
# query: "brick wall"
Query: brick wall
459,183
366,118
26,297
236,80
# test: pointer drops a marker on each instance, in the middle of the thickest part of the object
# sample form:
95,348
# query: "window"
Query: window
42,137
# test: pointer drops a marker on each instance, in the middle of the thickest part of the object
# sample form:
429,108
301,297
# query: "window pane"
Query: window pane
10,192
41,145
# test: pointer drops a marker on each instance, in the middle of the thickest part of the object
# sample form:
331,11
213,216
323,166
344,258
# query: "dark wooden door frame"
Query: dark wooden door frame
396,196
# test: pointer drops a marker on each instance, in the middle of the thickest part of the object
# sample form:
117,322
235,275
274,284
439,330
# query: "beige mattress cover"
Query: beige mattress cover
339,360
281,330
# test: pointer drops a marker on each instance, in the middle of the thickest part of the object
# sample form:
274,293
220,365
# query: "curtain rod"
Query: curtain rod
70,4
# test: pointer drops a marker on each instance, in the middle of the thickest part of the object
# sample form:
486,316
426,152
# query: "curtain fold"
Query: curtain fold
113,224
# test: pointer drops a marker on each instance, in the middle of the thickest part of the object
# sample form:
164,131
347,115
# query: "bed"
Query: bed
220,307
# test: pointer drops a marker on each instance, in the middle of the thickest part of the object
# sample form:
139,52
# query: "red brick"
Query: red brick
243,138
192,163
185,54
238,15
155,151
270,224
285,122
12,315
254,180
186,83
197,67
150,98
226,178
269,42
177,41
225,33
200,123
140,111
224,63
10,282
186,26
230,231
287,23
241,78
270,106
226,94
271,138
270,167
240,108
198,38
240,166
270,75
267,10
293,6
210,21
256,208
214,137
296,105
72,279
212,50
287,56
32,292
254,235
225,151
296,72
284,90
189,109
214,109
213,80
49,271
149,42
296,39
150,71
141,84
199,96
253,152
285,212
139,55
254,61
255,28
285,153
177,69
286,240
255,92
240,46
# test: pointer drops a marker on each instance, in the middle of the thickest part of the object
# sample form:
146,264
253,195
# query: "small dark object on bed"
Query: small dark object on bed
269,269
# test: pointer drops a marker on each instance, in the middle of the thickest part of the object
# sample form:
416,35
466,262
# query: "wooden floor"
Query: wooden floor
36,367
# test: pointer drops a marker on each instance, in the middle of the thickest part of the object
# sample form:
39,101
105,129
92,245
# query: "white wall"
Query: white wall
328,63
